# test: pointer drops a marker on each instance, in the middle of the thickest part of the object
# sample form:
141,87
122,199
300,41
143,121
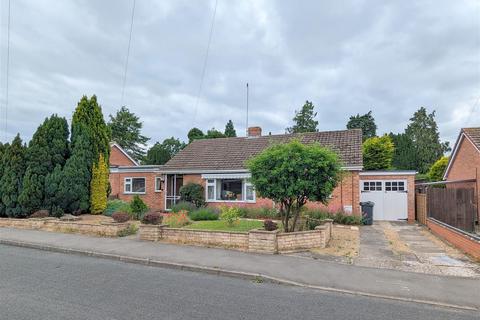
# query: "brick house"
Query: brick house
464,162
219,166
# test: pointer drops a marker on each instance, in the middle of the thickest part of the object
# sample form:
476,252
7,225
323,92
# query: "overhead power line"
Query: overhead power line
128,53
205,60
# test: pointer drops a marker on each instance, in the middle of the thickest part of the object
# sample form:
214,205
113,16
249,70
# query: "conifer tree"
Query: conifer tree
304,119
230,129
13,163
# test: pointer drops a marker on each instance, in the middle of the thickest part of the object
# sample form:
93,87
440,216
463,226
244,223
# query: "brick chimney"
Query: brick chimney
254,132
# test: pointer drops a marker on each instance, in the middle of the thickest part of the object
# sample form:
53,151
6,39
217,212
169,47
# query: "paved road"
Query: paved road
45,285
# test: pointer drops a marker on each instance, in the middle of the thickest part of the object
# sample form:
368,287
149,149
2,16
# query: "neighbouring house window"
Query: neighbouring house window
229,190
158,184
134,185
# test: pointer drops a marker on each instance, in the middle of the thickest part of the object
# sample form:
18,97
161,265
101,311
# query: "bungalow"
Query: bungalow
219,166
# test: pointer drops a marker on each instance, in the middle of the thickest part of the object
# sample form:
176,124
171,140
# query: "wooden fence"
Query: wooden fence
453,206
421,207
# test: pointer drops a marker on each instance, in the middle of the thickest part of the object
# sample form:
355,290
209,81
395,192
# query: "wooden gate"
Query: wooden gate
421,207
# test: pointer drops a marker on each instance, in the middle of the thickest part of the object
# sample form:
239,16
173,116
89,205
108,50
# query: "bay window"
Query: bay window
231,190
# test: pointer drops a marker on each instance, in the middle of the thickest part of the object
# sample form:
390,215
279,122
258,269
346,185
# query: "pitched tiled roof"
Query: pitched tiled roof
231,153
474,135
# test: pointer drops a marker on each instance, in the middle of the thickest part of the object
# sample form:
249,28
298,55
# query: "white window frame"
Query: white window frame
382,185
397,186
212,182
158,184
129,181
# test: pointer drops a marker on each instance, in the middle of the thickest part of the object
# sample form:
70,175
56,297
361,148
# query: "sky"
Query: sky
347,57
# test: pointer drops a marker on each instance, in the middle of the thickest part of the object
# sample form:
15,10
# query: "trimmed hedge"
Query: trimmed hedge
203,214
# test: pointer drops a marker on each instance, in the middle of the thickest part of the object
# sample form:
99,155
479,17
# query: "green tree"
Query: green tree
436,171
365,122
88,123
378,153
404,154
13,163
195,134
48,147
292,174
214,134
423,132
230,129
98,189
126,129
53,195
304,120
160,153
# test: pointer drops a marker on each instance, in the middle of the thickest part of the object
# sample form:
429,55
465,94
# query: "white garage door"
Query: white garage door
390,198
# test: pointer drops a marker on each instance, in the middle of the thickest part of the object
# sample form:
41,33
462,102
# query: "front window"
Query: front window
229,190
134,185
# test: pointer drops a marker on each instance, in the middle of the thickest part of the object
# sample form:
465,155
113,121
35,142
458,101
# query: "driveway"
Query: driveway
406,247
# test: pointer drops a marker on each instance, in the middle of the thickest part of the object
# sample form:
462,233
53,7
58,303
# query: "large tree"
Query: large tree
195,134
126,129
378,153
47,149
13,165
160,153
230,129
404,156
365,122
304,120
423,132
292,174
214,134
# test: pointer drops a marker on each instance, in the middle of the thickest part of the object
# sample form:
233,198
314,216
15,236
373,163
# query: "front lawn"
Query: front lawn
221,225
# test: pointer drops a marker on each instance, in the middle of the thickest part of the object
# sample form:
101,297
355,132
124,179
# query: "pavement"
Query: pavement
409,247
451,291
50,285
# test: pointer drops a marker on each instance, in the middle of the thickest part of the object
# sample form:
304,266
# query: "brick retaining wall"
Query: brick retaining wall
260,241
465,243
55,225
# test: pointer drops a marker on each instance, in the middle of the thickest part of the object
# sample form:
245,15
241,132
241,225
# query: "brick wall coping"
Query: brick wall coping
165,226
460,231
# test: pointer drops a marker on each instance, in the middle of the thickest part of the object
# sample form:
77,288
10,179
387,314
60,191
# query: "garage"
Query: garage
392,192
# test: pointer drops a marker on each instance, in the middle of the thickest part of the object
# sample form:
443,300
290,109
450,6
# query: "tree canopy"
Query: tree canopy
404,154
304,120
292,173
436,171
195,134
126,129
160,153
365,122
230,129
378,153
425,138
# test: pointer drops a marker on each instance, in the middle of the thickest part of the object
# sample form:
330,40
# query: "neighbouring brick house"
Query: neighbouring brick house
219,166
464,162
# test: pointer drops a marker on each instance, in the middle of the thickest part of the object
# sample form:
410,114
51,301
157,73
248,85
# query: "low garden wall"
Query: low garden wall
55,225
261,241
467,243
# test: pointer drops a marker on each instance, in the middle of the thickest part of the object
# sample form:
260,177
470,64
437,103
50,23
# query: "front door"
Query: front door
172,195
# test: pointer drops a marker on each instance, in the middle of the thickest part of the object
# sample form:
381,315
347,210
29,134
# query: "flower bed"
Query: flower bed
253,241
103,229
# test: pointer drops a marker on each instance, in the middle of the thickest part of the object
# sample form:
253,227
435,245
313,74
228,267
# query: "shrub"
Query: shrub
258,213
138,208
128,231
269,225
176,220
40,214
315,216
203,214
230,215
152,218
193,193
183,206
116,206
120,217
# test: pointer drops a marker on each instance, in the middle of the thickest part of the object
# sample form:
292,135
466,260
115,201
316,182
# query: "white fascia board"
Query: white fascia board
125,153
388,173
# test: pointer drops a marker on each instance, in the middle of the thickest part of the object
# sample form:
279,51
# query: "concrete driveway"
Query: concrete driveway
406,247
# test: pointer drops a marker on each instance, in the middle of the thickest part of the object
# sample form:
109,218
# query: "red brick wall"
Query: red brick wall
465,165
410,187
118,158
459,240
155,200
